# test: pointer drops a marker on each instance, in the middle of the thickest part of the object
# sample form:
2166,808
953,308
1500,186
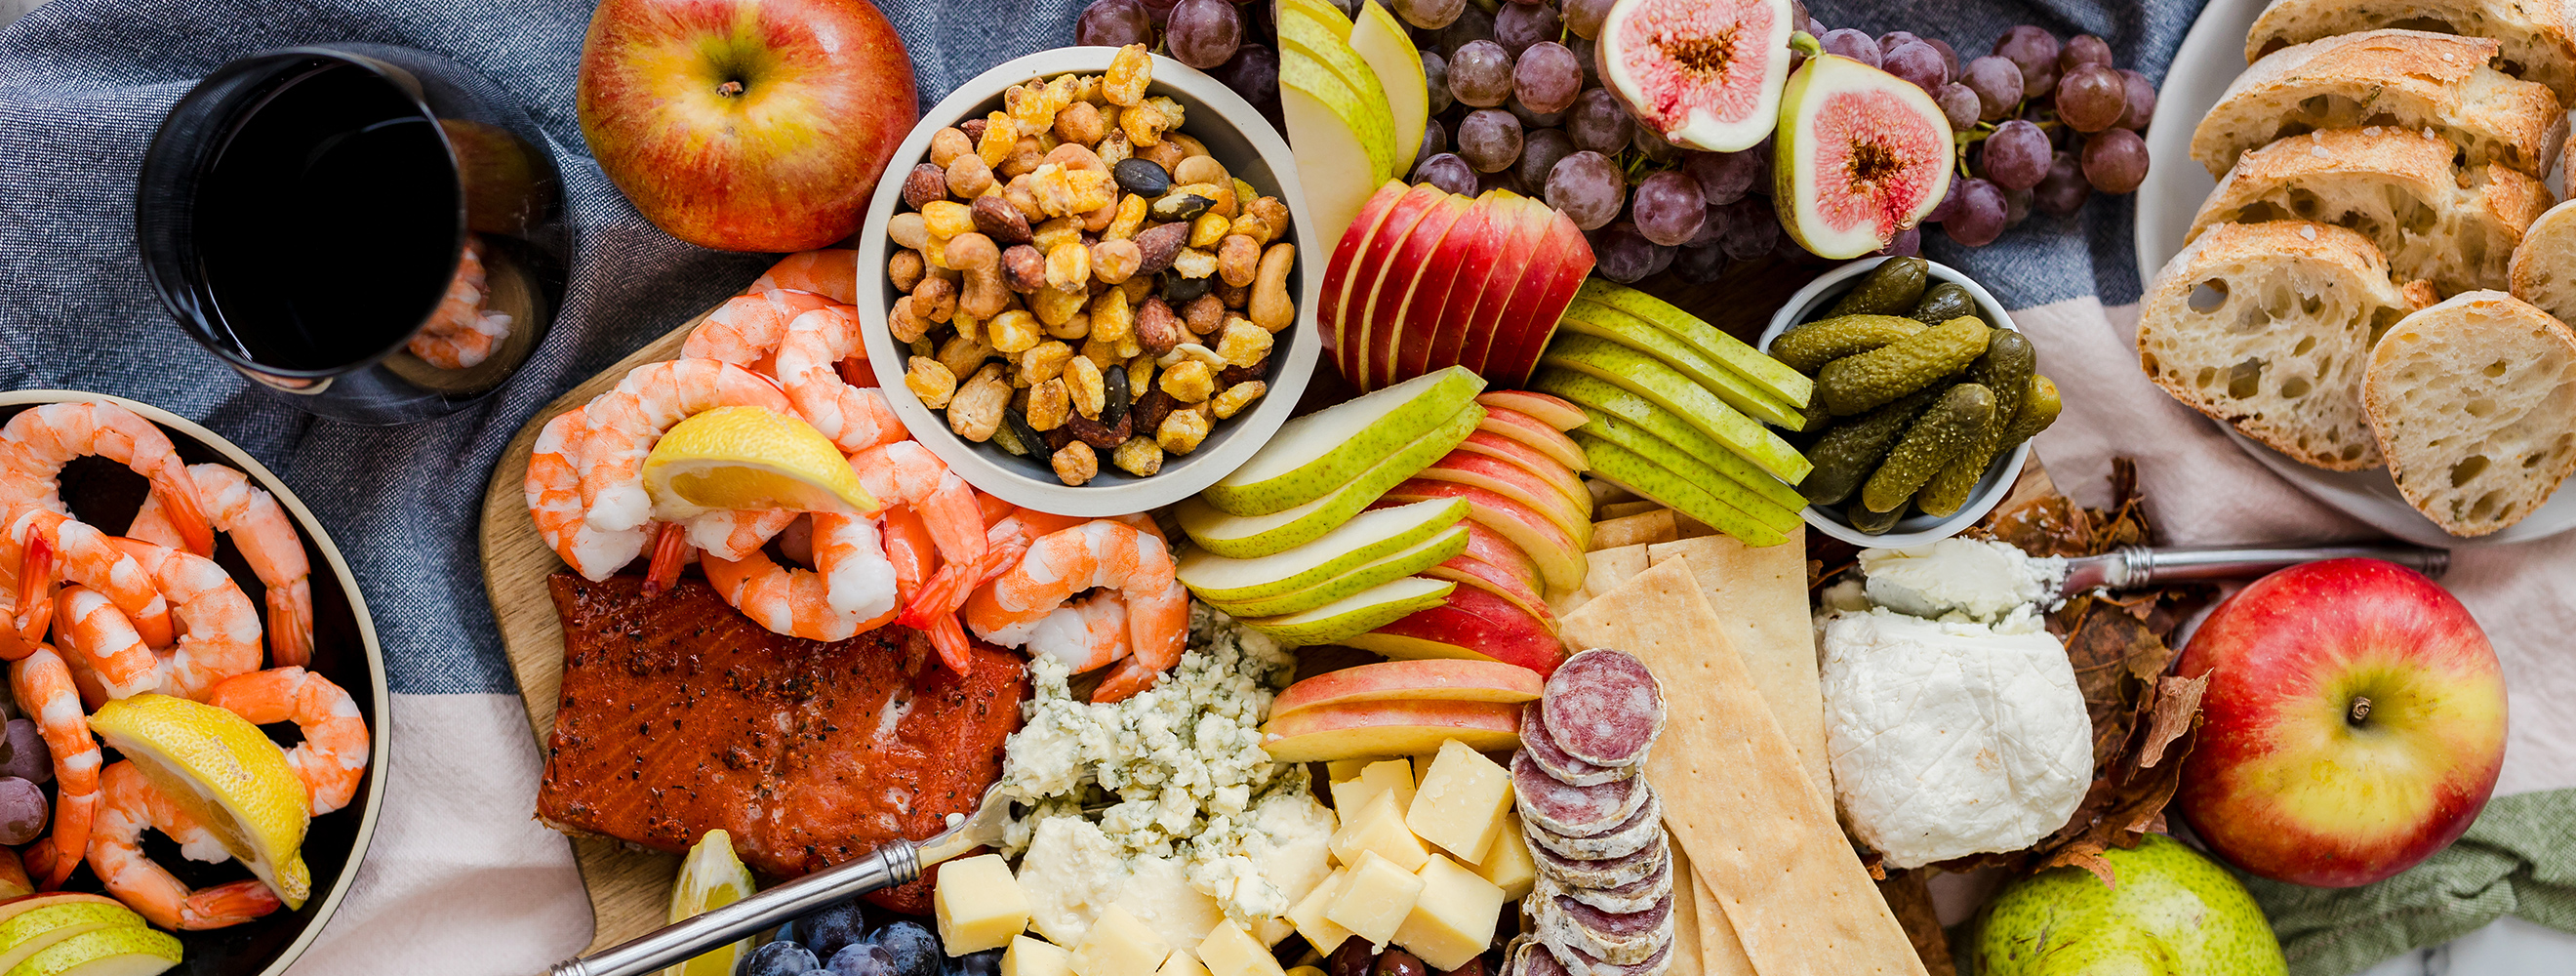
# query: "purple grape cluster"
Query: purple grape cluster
2050,124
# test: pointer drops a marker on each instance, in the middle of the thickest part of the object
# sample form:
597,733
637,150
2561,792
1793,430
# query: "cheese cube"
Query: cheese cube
1229,951
1181,963
1422,768
1036,957
1119,945
1308,914
1462,803
1377,899
1507,863
978,905
1378,777
1379,827
1453,918
1337,770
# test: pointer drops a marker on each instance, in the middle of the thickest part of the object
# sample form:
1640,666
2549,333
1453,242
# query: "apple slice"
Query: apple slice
1560,258
1299,32
1357,613
1528,459
1491,548
1365,539
1771,375
1312,455
1383,42
1632,471
1252,536
1475,625
1390,728
1513,277
1415,284
1508,480
1602,321
1669,389
1342,267
1428,334
1372,265
1420,680
1339,156
1557,552
1534,434
1598,396
1700,477
124,951
1405,562
1551,410
1482,575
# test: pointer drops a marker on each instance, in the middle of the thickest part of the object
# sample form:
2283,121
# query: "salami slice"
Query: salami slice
1636,896
1630,836
1524,956
1575,811
1616,937
1603,707
1542,748
1611,873
1575,962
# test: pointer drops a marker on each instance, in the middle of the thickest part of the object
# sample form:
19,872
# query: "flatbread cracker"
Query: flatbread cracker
1703,943
1738,800
1608,568
1635,530
1760,593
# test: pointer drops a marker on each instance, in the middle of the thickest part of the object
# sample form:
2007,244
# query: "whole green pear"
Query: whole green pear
2174,913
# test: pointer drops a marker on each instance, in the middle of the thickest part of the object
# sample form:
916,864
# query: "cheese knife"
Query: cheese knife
2133,566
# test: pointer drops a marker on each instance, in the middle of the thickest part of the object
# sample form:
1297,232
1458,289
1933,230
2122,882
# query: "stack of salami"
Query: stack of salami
1604,901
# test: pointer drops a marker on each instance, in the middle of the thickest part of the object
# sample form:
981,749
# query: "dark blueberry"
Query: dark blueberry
828,930
912,948
985,963
862,959
1142,177
780,959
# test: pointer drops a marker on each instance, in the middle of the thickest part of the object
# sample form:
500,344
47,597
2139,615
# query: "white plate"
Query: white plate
2211,57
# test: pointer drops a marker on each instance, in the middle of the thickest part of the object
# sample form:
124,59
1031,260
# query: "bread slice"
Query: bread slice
2533,34
2456,228
2267,327
2474,404
2405,78
2543,271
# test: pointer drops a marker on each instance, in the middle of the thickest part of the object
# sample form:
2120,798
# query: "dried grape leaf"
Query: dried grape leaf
2176,706
1909,895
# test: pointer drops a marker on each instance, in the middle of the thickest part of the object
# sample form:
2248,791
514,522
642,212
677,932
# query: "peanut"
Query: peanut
1076,464
1025,156
935,299
1115,261
1237,258
908,229
961,354
904,269
1163,154
1080,124
968,176
948,144
1199,169
1157,329
906,324
1204,314
1023,268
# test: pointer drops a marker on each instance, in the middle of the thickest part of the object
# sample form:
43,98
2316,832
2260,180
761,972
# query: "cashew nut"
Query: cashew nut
1271,307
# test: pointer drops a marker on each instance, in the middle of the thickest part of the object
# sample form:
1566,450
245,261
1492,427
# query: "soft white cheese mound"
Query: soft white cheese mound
1974,579
1952,738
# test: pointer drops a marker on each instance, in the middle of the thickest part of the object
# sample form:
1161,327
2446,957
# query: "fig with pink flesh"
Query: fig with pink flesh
1704,73
1863,155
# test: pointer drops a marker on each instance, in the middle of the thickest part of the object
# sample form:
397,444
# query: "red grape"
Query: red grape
2140,102
1949,203
1653,145
2016,207
2083,49
1752,229
1668,207
1888,41
1429,13
1547,77
1979,217
1530,119
1960,104
1114,23
1584,17
1907,243
1587,187
1253,73
1762,153
1435,140
1540,150
1723,177
1471,23
1712,228
22,811
2063,191
2091,97
1519,25
1949,55
2034,51
1435,79
1916,62
1997,82
1480,73
1598,122
1447,172
2015,157
2115,160
1489,139
1621,254
1204,33
1700,265
1852,44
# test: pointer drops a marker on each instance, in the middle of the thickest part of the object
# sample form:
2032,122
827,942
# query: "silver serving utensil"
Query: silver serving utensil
2131,566
896,863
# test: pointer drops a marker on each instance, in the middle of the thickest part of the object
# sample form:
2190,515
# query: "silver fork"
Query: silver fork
896,863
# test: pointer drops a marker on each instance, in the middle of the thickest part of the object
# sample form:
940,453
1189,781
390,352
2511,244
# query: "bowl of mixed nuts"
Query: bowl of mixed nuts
1092,269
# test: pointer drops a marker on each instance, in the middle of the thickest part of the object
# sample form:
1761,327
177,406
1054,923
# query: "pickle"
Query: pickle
1845,454
1940,434
1943,302
1859,382
2038,410
1873,523
2005,369
1809,347
1893,287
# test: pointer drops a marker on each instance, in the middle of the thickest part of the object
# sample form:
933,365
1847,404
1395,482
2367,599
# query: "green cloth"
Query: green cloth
2519,859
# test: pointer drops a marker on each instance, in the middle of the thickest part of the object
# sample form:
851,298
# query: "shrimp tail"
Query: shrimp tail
179,504
290,625
947,637
35,578
227,905
670,557
940,596
1130,675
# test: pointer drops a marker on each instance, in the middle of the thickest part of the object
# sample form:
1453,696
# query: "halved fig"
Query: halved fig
1704,73
1863,155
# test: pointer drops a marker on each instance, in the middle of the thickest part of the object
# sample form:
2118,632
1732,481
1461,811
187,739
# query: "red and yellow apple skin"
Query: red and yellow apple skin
745,125
2285,782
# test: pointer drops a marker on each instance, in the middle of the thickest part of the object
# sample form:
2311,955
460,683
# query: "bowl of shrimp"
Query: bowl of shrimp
1246,297
145,555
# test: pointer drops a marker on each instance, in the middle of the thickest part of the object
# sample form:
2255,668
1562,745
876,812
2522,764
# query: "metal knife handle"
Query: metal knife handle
2140,566
895,863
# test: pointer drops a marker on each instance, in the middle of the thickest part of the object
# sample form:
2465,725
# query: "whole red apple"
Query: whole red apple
745,125
2355,722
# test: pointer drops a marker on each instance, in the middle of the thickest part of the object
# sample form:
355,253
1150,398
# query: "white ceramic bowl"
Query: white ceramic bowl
1916,529
1237,135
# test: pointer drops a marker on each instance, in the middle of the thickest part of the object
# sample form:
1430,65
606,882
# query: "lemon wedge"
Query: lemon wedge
223,771
711,877
749,458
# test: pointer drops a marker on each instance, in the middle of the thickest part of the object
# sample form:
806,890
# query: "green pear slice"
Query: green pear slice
1253,536
16,906
1700,477
1326,14
1347,85
1313,455
1654,482
28,933
1338,162
1668,388
1770,375
115,951
1365,539
1382,41
1599,399
1586,318
1356,614
1413,559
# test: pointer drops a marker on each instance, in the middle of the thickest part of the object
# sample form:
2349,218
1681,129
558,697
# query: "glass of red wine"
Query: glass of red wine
374,232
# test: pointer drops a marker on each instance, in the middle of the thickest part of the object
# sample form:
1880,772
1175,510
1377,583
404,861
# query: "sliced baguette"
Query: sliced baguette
2267,327
2536,44
2455,228
2543,271
2474,404
2402,78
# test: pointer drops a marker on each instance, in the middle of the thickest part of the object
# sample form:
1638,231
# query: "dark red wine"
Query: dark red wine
328,224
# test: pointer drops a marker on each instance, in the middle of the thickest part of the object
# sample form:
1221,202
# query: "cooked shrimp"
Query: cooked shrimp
733,535
853,417
220,635
85,623
48,546
554,503
833,274
1087,634
909,546
43,686
747,328
130,805
333,756
850,589
268,542
461,334
626,421
36,443
1099,553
